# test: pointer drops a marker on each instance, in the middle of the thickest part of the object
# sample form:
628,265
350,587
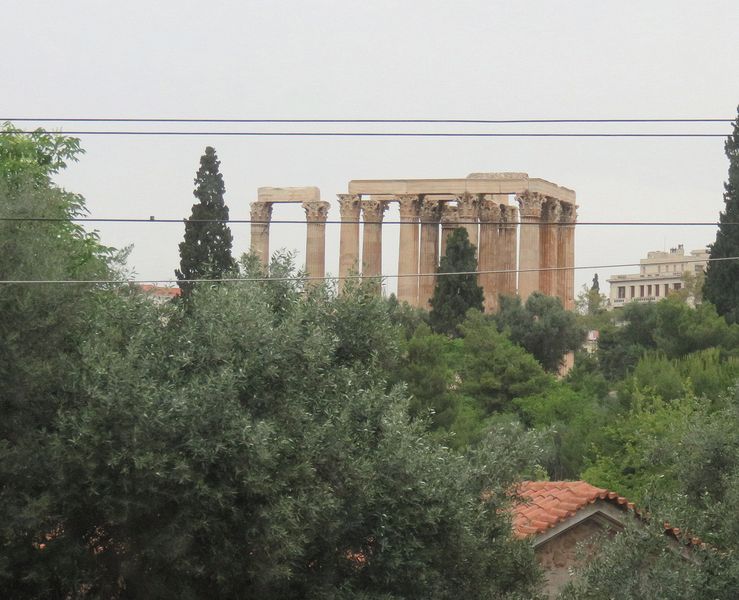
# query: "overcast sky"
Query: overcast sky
384,59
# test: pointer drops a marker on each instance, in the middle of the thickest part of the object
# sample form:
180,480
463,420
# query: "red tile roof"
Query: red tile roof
546,503
162,292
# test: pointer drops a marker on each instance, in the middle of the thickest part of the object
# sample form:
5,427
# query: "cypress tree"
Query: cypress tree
205,252
722,277
454,295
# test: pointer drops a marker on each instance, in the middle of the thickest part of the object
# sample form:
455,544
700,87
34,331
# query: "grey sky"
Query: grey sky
387,59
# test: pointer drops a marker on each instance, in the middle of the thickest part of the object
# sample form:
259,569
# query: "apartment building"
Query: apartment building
660,274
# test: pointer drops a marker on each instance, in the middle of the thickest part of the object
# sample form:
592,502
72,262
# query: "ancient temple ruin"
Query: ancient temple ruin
523,228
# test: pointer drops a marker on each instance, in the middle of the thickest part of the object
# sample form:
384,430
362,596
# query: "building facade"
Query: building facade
660,274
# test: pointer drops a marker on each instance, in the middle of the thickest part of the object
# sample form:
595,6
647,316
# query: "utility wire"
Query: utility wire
334,278
435,134
451,121
354,222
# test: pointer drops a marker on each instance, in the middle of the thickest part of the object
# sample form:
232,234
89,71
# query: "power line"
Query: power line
436,121
435,134
335,222
335,278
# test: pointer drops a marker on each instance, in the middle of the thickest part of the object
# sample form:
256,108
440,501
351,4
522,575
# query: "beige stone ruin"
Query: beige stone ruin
535,252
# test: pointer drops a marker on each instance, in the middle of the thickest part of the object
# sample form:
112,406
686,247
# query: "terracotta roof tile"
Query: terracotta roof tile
544,504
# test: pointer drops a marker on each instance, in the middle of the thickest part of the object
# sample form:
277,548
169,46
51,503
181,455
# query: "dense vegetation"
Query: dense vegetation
269,440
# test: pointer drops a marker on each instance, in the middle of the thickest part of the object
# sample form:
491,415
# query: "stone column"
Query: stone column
408,249
373,211
467,208
262,212
430,212
449,218
509,254
566,255
488,252
528,279
349,237
548,231
315,243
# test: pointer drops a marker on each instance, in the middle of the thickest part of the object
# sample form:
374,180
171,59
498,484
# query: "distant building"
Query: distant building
160,294
660,274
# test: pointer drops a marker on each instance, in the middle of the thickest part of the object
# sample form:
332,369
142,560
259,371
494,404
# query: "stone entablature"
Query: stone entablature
515,255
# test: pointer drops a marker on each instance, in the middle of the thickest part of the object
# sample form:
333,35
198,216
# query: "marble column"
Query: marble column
467,209
430,213
373,211
566,255
316,213
449,218
261,214
349,237
408,249
488,258
509,256
548,234
528,276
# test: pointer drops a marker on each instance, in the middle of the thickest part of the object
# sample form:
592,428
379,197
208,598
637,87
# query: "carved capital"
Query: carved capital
490,211
530,203
261,211
409,205
509,215
551,211
569,213
449,214
373,210
349,206
430,210
316,211
467,206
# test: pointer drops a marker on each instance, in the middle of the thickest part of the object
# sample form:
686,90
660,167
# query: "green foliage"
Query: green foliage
722,276
454,295
266,460
205,252
541,326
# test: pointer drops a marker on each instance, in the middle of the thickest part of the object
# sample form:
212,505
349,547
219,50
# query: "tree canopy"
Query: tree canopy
454,295
205,253
722,276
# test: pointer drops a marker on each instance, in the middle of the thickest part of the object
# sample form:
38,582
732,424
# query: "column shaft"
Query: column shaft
528,277
550,214
372,214
260,211
566,255
429,250
488,252
315,243
509,254
408,249
349,237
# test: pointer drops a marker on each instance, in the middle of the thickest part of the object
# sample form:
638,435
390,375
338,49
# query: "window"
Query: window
649,290
667,288
633,291
656,290
641,291
677,286
622,291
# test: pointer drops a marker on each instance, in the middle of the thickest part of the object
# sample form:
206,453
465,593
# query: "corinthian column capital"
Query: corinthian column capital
490,210
430,210
551,210
467,206
449,214
509,215
261,211
373,210
316,211
530,203
409,205
569,213
349,205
